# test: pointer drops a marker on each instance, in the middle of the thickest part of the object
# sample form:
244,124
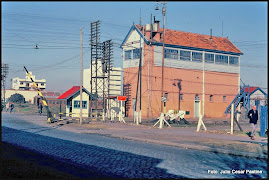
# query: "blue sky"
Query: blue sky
55,27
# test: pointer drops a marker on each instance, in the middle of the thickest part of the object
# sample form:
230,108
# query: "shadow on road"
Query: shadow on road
89,157
233,162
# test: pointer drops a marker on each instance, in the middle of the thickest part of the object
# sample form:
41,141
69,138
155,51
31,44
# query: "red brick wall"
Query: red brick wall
216,83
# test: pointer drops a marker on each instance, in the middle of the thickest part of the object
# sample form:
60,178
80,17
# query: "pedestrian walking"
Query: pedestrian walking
12,107
253,118
40,109
7,107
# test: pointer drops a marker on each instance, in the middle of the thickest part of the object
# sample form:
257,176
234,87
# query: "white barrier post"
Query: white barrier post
232,118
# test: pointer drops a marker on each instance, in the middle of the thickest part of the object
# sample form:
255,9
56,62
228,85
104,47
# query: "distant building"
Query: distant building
26,84
52,99
184,55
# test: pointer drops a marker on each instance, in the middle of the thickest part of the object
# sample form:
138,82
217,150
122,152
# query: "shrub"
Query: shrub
16,98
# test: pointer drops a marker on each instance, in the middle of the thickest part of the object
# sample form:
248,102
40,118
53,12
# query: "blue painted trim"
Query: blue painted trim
141,35
197,49
257,90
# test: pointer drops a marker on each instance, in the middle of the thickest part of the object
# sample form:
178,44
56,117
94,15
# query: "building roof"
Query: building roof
253,89
72,92
199,41
193,41
51,93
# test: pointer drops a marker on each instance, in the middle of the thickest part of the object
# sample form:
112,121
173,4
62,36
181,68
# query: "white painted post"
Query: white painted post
232,118
238,112
120,113
140,117
161,121
200,122
103,115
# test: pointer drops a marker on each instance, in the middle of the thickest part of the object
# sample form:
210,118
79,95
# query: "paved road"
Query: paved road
125,158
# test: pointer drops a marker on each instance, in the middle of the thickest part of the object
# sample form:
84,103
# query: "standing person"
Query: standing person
11,107
253,118
7,107
40,109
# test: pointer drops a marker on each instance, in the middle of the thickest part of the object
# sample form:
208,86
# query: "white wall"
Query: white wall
27,94
76,111
132,42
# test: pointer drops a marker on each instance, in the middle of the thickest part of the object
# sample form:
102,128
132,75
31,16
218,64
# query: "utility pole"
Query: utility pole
203,84
140,73
222,29
4,70
163,97
149,61
81,76
140,79
163,12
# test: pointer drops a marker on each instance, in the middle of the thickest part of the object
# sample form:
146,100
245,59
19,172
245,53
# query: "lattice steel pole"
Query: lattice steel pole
96,71
4,70
106,64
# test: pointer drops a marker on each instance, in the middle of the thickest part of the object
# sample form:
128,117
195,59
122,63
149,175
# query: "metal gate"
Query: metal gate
263,120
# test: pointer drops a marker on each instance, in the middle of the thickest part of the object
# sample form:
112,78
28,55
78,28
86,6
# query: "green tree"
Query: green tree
16,98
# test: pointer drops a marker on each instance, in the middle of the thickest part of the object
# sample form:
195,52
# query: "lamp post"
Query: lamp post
163,96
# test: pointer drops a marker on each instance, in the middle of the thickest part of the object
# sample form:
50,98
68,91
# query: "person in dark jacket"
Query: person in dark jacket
253,118
12,107
40,107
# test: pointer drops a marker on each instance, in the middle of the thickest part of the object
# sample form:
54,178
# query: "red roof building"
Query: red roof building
72,97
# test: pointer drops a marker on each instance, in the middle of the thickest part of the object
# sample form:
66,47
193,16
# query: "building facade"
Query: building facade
187,56
26,84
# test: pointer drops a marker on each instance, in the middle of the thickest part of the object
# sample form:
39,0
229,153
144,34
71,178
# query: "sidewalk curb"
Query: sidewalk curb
195,147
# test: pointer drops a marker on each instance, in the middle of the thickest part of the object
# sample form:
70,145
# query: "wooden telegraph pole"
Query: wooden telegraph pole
81,77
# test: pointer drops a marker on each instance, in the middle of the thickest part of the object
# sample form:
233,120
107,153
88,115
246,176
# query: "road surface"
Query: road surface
123,158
